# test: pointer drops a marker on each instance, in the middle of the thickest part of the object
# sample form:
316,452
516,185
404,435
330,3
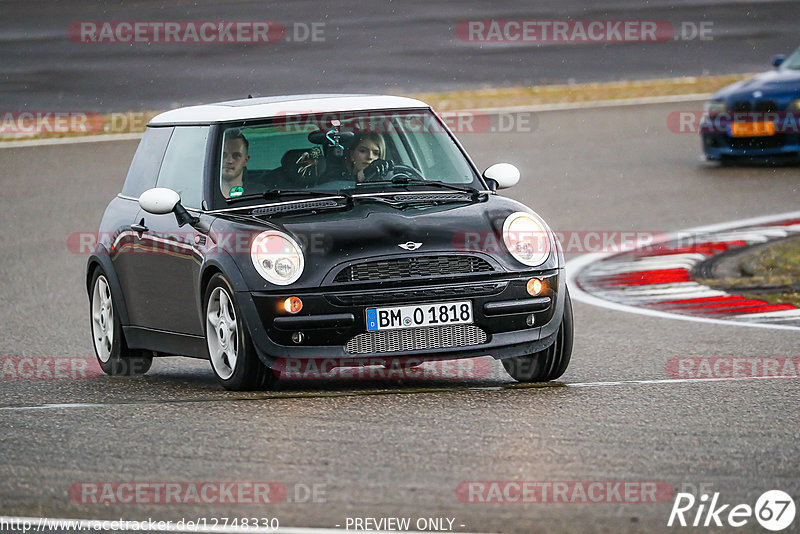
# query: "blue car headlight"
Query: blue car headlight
714,106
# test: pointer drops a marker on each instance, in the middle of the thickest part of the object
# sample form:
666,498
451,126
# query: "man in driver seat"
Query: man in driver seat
234,163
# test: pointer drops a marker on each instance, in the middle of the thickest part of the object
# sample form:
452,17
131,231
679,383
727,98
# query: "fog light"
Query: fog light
298,337
535,287
293,304
529,320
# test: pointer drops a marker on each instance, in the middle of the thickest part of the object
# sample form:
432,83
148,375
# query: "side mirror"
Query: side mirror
777,61
501,176
162,200
159,200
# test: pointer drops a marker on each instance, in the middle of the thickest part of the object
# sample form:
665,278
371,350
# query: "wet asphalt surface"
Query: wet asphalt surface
388,448
363,47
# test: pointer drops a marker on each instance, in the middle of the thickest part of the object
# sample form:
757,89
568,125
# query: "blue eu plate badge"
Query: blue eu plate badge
372,319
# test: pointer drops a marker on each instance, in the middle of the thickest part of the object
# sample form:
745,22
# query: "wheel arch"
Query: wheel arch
222,264
102,261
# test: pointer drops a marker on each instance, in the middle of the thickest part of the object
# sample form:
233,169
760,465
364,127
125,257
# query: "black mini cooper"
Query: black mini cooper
350,229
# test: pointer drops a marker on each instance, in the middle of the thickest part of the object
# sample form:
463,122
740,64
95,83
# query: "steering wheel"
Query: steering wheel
407,171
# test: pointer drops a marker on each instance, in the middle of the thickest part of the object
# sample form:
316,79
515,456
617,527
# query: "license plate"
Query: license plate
752,129
419,315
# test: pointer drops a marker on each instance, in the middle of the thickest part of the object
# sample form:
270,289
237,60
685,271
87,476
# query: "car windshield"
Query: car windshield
354,152
792,62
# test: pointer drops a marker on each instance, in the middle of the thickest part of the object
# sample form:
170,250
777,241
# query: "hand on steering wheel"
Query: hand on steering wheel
378,169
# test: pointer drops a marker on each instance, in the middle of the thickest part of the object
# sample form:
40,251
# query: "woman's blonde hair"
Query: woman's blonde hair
360,138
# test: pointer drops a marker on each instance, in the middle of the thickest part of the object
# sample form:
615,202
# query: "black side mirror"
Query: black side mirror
777,61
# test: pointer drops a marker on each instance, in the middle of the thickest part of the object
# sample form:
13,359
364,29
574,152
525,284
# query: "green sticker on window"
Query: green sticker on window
236,191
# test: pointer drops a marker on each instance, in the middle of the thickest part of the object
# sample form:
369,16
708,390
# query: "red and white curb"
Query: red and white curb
655,280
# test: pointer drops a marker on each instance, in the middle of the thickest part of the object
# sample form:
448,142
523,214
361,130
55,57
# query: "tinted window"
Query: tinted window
183,165
144,168
283,155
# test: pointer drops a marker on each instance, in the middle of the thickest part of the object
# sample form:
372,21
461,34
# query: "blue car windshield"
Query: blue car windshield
792,62
338,152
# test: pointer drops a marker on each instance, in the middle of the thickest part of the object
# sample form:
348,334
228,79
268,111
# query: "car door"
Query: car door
166,265
142,175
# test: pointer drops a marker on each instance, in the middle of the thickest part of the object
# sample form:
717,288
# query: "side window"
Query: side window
144,167
183,165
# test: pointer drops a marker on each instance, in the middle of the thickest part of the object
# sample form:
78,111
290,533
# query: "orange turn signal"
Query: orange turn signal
535,287
293,304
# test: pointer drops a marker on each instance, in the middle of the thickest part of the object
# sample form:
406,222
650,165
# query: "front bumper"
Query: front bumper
333,322
717,146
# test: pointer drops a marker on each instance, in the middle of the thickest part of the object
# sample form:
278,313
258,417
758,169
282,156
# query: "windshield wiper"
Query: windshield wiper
404,180
280,194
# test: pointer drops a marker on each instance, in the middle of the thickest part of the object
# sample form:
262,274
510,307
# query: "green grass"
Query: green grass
771,274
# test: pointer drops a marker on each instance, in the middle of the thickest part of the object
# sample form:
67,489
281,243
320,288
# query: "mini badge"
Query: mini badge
236,191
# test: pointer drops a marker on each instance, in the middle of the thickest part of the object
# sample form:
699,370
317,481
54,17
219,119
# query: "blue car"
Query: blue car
756,119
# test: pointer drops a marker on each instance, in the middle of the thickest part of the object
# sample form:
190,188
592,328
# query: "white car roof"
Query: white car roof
264,107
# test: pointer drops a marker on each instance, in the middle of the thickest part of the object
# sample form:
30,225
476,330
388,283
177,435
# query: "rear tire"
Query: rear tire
110,348
550,363
233,356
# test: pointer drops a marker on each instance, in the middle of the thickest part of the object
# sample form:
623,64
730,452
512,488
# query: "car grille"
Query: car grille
756,143
417,294
758,105
408,339
414,267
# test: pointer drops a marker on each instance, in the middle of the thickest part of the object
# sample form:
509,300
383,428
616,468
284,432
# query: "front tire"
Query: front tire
550,363
233,356
110,348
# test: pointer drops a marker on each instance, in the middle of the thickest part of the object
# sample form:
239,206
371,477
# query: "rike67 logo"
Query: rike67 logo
774,510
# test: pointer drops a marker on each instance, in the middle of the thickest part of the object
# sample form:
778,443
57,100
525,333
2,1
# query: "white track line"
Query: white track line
103,138
503,387
576,265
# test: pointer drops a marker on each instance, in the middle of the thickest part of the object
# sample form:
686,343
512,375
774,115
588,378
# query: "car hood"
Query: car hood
371,230
772,84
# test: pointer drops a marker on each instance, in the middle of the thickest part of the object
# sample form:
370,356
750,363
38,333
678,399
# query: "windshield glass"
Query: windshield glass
792,62
350,152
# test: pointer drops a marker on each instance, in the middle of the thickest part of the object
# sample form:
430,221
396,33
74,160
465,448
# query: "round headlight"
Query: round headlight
527,238
277,257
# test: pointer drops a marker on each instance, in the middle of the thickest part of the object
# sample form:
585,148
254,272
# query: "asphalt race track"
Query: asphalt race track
403,451
384,47
367,448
